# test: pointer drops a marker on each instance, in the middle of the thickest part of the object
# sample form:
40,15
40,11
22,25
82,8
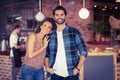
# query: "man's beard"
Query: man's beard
60,22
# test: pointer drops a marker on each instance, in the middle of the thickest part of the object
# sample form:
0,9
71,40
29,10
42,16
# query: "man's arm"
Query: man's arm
82,52
18,46
81,62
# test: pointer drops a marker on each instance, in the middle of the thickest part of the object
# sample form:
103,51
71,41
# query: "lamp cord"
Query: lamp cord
83,3
40,5
12,7
60,2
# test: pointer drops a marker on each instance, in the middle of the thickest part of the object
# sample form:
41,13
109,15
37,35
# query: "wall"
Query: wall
29,10
118,71
2,18
73,7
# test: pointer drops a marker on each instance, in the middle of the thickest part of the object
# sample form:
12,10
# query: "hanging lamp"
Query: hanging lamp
60,2
40,16
117,0
13,15
84,13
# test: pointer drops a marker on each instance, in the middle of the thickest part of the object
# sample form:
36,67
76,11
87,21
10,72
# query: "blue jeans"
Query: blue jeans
15,70
29,73
57,77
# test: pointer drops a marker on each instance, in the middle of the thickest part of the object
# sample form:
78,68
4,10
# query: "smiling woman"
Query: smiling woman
35,51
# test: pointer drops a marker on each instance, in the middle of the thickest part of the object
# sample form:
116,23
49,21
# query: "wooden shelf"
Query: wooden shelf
99,43
117,39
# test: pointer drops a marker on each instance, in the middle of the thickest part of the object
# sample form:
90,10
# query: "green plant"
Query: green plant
97,26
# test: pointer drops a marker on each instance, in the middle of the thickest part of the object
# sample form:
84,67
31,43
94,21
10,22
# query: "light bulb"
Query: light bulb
39,16
83,13
117,0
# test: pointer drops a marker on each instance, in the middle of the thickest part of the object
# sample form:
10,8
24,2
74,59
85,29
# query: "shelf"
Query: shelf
117,39
99,43
115,28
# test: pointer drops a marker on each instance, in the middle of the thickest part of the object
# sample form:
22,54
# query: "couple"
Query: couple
61,58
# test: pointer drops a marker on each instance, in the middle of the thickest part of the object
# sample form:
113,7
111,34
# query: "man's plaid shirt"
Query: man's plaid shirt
73,43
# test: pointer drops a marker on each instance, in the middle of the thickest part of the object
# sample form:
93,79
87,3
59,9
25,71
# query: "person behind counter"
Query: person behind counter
14,52
35,51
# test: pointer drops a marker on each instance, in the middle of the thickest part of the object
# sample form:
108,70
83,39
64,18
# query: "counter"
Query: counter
6,66
8,54
107,59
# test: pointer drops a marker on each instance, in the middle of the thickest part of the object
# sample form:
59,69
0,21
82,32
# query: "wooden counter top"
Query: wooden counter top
107,53
7,53
4,52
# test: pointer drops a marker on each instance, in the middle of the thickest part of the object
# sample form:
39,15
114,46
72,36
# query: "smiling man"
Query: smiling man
66,51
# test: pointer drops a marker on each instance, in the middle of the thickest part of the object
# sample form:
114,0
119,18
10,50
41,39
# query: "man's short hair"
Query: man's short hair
17,26
60,8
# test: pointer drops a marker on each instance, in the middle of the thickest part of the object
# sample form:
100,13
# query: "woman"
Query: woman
35,51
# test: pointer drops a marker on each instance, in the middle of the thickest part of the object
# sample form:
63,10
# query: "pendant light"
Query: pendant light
60,2
40,16
84,13
12,12
117,0
15,16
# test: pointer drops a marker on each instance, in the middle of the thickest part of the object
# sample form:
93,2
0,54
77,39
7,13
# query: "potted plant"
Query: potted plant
97,27
103,38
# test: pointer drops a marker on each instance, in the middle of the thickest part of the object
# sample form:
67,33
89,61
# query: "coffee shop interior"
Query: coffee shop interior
99,25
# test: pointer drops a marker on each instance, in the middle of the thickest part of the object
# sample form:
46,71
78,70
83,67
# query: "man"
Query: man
66,51
14,52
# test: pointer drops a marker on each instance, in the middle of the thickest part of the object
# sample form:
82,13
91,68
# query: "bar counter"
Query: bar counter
7,53
6,65
95,62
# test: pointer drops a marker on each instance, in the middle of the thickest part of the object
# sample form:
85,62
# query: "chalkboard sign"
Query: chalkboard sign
99,68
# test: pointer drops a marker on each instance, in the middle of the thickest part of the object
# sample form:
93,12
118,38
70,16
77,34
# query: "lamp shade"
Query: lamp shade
39,16
117,0
83,13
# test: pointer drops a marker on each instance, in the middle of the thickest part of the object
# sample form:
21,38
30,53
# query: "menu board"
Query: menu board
99,68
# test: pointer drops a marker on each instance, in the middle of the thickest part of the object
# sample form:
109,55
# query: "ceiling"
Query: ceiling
19,1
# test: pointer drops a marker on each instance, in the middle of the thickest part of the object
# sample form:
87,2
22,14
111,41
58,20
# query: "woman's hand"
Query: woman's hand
50,70
45,41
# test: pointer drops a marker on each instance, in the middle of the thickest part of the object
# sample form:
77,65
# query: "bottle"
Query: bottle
3,45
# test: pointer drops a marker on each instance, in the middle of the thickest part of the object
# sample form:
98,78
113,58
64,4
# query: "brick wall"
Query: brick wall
5,68
73,19
118,71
